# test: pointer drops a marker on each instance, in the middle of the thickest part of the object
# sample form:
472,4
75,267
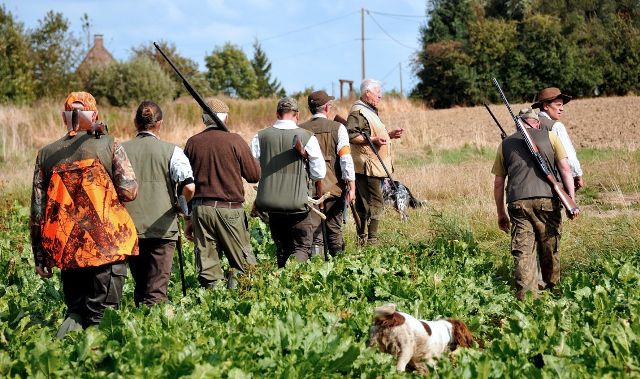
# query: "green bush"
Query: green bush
130,82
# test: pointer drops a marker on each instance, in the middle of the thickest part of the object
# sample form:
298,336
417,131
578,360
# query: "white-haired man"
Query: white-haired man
363,118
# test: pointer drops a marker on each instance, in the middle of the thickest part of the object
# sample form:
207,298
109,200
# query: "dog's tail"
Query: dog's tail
461,334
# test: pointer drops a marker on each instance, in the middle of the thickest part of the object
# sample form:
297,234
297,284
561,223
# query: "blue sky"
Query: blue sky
302,53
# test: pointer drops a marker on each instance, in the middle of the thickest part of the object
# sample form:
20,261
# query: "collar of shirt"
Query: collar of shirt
285,124
543,114
319,115
145,133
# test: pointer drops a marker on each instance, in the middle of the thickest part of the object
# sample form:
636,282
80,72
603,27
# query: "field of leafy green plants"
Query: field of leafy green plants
312,320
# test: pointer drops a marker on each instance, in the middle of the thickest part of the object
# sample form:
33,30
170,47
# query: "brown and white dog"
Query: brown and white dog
414,341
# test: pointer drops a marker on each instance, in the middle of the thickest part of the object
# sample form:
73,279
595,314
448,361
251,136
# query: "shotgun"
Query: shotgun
569,204
196,96
503,134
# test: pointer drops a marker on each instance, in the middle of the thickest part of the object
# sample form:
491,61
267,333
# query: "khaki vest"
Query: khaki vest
326,131
364,159
152,211
525,179
283,186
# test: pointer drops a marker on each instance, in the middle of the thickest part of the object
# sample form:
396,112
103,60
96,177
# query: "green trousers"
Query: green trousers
220,230
535,234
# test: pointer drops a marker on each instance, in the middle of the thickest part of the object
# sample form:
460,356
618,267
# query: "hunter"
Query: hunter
340,177
159,167
534,212
289,156
364,118
78,222
218,223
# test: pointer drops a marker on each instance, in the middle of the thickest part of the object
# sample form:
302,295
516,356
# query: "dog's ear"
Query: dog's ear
461,334
385,310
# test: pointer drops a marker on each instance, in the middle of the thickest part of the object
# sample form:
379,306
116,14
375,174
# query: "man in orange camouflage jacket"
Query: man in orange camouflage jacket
78,222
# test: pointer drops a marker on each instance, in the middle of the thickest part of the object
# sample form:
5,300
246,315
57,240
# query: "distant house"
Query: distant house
97,55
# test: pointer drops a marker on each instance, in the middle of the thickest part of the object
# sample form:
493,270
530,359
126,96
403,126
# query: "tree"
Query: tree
16,78
188,67
128,83
54,54
230,72
262,68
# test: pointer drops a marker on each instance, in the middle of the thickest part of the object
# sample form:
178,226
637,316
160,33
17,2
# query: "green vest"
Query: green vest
152,211
525,179
326,131
283,185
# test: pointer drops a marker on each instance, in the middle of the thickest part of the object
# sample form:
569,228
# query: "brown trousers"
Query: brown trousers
369,203
151,270
535,234
333,209
292,234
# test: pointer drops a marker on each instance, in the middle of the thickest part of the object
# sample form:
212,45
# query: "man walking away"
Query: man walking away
78,222
534,211
334,143
218,222
159,167
284,187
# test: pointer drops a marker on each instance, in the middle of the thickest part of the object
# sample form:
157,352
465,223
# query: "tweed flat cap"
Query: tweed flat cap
217,105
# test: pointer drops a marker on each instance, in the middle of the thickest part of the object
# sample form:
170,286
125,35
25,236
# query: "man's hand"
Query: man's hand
379,141
503,223
188,230
351,194
44,272
396,133
578,182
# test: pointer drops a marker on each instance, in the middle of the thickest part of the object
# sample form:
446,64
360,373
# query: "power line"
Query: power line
389,35
307,27
322,48
396,14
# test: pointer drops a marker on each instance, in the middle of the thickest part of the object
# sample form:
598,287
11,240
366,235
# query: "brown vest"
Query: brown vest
546,123
326,131
526,180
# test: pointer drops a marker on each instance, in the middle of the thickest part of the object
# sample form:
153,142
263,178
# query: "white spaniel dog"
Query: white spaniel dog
414,341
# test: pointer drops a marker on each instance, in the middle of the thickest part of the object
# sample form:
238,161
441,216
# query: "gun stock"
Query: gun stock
196,96
569,203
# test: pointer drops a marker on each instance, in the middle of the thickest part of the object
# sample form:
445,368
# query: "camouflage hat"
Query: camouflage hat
84,98
287,104
217,105
527,113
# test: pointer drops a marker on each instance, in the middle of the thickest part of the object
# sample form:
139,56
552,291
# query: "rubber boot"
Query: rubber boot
316,249
373,232
232,279
71,323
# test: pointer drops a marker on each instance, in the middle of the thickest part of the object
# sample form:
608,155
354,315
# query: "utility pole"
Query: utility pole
362,38
400,68
333,88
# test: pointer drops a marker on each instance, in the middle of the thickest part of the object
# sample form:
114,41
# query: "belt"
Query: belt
217,203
